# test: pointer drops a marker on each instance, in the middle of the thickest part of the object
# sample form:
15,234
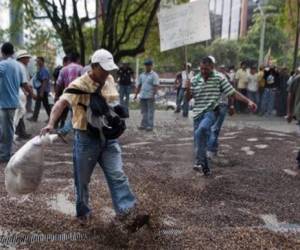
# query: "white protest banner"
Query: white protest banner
184,24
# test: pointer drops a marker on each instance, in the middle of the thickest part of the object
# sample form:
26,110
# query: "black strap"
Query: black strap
76,91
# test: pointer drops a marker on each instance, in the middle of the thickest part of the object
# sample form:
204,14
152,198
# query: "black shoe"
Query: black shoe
177,111
141,128
24,136
32,119
206,172
138,222
149,129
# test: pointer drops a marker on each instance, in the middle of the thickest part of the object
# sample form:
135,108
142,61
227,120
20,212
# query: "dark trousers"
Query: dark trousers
21,129
38,103
240,106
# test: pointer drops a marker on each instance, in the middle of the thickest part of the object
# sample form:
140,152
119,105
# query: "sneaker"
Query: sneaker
206,172
84,220
149,129
31,119
198,167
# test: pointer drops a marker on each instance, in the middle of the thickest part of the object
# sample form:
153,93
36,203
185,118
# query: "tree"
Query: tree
290,21
122,21
275,38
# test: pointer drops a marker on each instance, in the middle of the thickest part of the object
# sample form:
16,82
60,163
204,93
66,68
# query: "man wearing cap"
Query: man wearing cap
186,74
293,105
147,87
10,82
89,150
206,89
23,58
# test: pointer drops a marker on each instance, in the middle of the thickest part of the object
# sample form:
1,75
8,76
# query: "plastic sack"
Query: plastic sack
24,171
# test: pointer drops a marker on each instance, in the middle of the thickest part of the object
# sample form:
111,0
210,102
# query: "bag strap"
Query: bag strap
76,91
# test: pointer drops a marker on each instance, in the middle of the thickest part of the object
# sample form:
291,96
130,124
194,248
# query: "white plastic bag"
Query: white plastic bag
24,171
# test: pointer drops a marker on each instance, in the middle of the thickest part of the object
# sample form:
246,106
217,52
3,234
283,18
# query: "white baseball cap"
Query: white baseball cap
212,59
21,54
105,59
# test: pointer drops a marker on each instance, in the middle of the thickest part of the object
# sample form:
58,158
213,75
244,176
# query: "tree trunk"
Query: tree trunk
295,61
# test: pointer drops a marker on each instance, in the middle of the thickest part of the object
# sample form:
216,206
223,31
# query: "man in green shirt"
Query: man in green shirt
206,89
293,105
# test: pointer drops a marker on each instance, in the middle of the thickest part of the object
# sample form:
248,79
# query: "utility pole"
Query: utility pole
16,13
262,35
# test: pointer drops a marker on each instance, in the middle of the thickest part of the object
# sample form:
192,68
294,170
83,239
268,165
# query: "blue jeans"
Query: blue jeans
125,91
202,128
147,110
268,101
6,133
253,96
213,138
185,105
68,124
87,152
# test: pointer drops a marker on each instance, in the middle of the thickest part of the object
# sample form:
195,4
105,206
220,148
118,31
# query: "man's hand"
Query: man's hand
135,97
231,110
252,106
48,129
289,118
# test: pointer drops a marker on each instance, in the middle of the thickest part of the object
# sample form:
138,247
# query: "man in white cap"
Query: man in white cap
89,150
23,58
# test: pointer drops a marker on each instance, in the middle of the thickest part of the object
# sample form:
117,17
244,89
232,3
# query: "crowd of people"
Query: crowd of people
87,102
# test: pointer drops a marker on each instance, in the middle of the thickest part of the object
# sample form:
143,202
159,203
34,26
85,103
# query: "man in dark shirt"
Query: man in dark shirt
125,74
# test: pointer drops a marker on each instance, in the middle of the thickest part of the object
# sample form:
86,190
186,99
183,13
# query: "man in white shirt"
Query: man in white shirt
186,74
23,58
252,85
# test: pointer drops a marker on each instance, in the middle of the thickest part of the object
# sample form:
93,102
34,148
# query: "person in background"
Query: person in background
252,85
10,82
282,92
147,87
186,74
23,58
269,93
90,149
261,85
293,105
231,74
41,83
66,61
241,79
67,75
206,89
125,76
177,87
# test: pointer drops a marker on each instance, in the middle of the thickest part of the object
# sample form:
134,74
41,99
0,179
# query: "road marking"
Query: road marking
290,172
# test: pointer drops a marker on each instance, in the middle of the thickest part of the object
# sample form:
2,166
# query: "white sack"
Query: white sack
24,171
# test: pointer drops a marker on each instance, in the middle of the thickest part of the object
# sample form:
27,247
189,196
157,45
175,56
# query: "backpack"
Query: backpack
104,121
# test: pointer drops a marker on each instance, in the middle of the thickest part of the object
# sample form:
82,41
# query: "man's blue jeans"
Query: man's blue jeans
253,96
185,105
213,139
125,91
147,110
202,128
87,152
268,101
6,133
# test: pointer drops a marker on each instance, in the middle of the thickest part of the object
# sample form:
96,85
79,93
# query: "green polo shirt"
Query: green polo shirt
207,94
294,89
